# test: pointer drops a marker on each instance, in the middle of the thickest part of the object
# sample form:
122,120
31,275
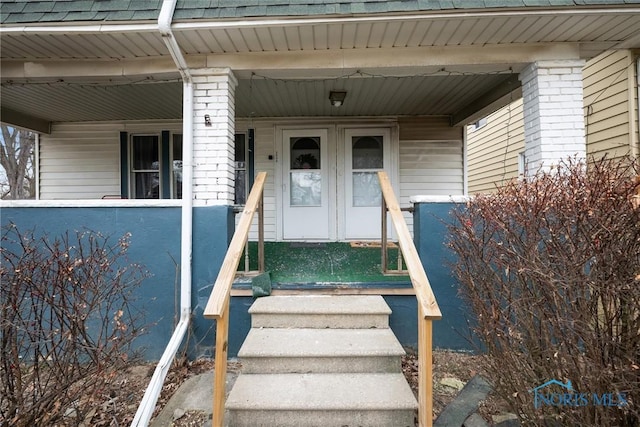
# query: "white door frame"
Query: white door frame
327,163
390,165
336,170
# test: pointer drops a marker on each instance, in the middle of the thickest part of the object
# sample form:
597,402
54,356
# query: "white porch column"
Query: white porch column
553,113
213,136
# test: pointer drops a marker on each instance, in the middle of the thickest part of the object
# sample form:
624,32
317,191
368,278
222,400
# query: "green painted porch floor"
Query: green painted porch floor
323,263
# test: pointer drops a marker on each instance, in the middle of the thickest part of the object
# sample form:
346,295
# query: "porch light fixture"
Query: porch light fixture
337,98
207,120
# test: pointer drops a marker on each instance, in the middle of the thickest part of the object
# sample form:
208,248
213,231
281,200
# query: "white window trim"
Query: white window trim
522,164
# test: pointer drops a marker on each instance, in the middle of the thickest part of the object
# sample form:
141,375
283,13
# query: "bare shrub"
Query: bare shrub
66,324
550,268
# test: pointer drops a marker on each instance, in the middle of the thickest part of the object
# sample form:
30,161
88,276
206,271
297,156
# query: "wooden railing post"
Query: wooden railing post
383,239
261,234
218,305
428,309
425,370
220,367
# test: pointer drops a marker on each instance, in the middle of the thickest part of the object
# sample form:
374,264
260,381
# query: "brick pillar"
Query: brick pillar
213,137
553,113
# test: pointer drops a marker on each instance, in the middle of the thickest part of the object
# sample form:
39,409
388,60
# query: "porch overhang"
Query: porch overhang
460,63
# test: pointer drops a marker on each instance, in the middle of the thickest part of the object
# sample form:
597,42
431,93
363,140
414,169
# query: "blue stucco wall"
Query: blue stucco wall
430,235
155,243
213,229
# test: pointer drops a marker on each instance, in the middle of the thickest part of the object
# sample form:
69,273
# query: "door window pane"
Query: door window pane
366,189
306,188
366,159
367,152
305,153
305,176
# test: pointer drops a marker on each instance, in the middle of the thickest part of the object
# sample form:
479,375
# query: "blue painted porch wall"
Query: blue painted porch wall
155,243
430,234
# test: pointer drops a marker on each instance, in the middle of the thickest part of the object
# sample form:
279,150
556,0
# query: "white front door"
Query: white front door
306,185
366,151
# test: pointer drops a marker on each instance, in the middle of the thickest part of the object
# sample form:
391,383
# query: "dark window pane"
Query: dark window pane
241,169
241,185
145,152
241,147
177,166
147,185
305,153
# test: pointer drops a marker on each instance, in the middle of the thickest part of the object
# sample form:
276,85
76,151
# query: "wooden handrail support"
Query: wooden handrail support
218,304
428,309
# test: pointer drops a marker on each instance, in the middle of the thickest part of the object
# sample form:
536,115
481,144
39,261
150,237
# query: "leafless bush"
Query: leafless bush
551,270
66,324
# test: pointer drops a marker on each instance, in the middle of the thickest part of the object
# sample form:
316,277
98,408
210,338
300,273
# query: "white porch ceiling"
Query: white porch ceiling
258,97
37,83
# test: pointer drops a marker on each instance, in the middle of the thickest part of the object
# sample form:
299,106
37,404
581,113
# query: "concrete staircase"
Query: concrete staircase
321,361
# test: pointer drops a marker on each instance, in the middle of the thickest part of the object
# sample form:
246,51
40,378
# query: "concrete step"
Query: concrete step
326,400
271,350
320,311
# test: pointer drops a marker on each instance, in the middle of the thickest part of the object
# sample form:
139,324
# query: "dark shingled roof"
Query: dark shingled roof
33,11
36,11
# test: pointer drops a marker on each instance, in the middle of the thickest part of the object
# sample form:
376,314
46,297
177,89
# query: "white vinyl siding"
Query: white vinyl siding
609,100
264,146
82,160
493,149
431,160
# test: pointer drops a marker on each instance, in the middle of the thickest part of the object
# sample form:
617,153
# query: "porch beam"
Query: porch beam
15,118
18,71
307,64
492,100
395,61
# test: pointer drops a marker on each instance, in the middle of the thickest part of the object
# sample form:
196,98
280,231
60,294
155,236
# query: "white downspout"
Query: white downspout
148,403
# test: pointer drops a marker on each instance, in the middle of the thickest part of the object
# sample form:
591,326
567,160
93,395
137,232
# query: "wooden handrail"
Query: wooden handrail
220,295
418,276
218,304
428,309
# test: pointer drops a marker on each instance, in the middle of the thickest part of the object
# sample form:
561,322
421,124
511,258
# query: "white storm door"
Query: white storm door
367,151
305,185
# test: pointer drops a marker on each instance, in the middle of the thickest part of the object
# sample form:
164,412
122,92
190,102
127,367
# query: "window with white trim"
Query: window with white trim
154,166
522,164
480,123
